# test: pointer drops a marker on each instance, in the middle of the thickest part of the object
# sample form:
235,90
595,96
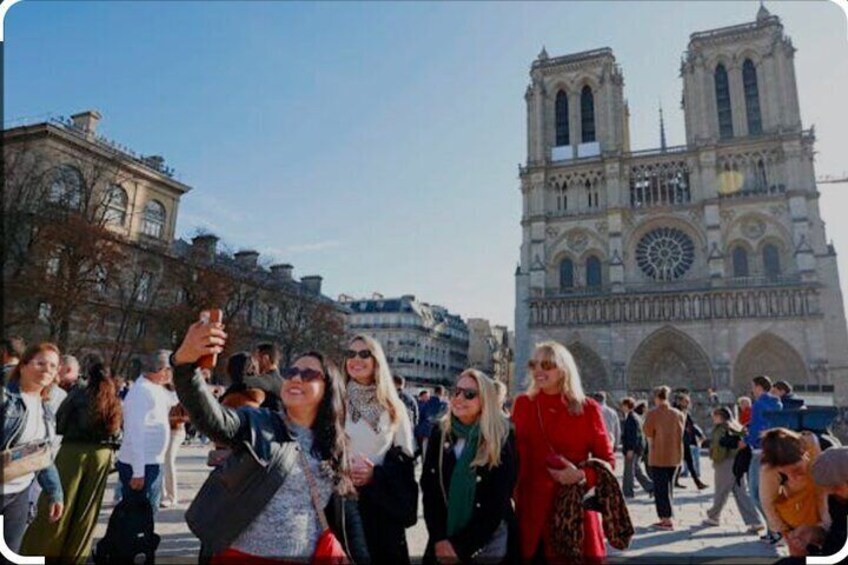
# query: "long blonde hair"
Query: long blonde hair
387,395
493,425
570,385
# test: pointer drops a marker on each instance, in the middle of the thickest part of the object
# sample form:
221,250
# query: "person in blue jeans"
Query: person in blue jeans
764,401
146,431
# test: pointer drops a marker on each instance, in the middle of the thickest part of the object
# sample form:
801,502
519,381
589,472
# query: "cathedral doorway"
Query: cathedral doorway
669,357
593,374
769,355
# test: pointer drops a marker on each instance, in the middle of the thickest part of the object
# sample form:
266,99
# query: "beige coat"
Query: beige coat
664,429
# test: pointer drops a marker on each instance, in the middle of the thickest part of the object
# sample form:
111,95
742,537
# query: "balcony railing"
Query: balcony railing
683,306
677,286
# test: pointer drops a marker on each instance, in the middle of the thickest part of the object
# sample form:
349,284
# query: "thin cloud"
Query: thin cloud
316,246
300,248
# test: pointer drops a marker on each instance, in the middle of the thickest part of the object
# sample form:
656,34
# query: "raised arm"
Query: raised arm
220,423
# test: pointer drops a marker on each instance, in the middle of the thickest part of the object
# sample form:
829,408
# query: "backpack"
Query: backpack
129,535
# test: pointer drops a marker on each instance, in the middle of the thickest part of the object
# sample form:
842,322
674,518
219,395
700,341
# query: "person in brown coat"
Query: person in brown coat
663,428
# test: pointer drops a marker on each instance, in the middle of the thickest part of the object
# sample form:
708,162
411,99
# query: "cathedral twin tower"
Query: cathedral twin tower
697,266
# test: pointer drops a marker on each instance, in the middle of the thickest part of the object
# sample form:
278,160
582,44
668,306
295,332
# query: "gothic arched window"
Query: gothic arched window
587,114
593,272
566,274
752,98
561,110
740,262
771,260
722,90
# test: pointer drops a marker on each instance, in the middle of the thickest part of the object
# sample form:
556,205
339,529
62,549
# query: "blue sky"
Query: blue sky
376,144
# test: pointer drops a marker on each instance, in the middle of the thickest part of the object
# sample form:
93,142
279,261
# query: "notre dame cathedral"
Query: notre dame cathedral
697,266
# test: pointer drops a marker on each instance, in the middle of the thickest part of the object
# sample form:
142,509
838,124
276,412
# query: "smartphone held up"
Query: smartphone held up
212,316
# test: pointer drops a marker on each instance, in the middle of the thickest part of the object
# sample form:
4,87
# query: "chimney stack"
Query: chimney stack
312,283
87,121
205,247
247,259
282,272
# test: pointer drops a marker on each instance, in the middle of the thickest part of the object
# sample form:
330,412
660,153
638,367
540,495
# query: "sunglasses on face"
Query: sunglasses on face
362,354
466,393
544,365
306,375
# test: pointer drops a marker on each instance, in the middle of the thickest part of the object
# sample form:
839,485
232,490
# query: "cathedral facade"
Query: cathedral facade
698,266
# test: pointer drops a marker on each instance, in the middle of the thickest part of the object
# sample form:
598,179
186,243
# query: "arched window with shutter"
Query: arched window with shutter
66,187
587,114
752,98
116,206
593,272
740,262
153,223
561,110
566,274
725,115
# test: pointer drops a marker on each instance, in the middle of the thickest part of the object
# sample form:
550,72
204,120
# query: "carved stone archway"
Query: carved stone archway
669,357
767,354
593,373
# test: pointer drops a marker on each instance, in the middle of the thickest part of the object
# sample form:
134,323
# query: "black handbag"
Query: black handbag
226,503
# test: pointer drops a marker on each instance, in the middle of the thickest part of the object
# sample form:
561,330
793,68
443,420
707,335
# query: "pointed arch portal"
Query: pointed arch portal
669,357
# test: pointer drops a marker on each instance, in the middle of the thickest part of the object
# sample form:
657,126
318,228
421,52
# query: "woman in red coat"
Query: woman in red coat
556,426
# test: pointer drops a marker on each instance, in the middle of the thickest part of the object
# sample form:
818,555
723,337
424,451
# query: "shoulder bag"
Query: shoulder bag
328,550
27,458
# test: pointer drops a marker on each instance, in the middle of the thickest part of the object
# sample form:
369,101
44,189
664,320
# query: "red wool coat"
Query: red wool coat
576,437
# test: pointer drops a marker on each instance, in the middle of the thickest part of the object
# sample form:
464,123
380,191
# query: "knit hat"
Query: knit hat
830,469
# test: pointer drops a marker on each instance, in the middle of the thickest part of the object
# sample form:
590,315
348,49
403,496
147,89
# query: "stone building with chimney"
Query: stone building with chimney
143,291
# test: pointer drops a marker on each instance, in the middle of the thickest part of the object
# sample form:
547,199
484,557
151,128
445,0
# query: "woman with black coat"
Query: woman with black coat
382,452
470,470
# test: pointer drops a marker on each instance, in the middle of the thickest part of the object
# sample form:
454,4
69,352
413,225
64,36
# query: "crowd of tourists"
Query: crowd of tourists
317,462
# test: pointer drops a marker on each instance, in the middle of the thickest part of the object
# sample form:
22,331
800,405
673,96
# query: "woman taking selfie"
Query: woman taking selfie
89,421
557,429
287,475
468,477
29,426
382,452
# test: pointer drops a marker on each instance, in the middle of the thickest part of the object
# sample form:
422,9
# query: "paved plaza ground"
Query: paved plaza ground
690,543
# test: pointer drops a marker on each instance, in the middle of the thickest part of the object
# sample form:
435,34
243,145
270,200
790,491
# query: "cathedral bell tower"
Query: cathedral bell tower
575,107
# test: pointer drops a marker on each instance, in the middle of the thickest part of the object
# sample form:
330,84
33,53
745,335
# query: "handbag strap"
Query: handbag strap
313,490
441,467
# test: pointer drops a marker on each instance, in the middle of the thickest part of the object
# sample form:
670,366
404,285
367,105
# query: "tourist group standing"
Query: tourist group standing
317,462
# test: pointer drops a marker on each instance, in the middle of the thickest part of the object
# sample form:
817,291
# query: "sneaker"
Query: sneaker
668,526
710,522
701,486
755,529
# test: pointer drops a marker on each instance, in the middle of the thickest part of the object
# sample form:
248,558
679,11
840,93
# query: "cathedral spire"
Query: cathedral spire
763,12
662,130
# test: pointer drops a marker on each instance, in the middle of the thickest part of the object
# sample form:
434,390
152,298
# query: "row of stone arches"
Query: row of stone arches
670,357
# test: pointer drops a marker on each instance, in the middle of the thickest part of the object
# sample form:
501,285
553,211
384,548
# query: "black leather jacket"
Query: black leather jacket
264,454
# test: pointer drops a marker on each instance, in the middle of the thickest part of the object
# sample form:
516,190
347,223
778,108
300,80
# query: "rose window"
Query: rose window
665,254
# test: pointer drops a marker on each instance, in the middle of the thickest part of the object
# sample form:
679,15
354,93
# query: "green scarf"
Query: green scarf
463,480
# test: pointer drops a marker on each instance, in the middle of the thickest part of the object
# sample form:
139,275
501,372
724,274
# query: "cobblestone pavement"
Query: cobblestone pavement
689,543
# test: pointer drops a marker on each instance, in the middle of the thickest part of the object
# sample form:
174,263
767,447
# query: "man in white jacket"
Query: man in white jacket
146,431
